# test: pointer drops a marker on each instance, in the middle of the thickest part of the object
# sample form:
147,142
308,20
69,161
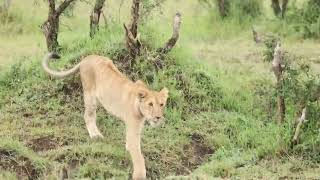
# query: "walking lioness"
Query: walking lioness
130,101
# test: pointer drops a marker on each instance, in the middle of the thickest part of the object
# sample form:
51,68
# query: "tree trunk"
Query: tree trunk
50,27
276,7
284,7
281,102
50,30
135,17
95,17
132,40
278,72
223,7
279,9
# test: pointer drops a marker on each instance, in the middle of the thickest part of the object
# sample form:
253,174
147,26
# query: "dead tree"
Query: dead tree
279,9
175,35
300,121
51,26
132,40
95,17
277,68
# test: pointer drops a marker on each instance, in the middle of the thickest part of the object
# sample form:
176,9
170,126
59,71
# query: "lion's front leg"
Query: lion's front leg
133,138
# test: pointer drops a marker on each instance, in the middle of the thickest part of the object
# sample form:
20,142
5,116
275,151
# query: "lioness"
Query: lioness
132,102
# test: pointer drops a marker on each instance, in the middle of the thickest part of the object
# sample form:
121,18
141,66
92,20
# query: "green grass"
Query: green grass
219,119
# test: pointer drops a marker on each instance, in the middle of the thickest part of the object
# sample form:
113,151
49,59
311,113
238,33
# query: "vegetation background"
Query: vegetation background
221,115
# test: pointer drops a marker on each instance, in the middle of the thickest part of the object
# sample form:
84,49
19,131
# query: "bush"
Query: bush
307,19
270,42
301,88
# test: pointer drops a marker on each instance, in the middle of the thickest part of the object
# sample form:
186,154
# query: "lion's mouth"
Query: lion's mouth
155,123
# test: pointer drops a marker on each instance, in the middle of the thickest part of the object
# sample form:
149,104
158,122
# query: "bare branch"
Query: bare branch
175,34
276,63
95,17
63,6
135,17
300,120
51,26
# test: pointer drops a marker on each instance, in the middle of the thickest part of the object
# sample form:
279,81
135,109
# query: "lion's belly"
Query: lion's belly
114,101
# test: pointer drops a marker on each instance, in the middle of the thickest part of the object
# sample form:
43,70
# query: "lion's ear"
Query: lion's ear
142,93
165,93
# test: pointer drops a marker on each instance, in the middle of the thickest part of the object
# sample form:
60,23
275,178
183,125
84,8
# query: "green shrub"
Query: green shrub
306,20
301,88
270,43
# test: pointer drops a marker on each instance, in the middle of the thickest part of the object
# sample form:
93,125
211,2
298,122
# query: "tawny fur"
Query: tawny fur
132,102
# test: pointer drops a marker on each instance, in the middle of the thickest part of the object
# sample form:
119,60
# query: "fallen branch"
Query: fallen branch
278,72
175,34
300,121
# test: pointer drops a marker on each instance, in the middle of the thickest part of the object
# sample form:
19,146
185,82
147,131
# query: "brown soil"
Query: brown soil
43,143
20,165
195,153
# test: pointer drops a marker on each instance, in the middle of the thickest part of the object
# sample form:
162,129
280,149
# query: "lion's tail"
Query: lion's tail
57,74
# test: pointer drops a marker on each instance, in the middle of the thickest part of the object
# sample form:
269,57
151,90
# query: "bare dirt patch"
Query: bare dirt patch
43,143
195,153
20,165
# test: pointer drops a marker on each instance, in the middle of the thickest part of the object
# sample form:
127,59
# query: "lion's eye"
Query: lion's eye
151,104
161,104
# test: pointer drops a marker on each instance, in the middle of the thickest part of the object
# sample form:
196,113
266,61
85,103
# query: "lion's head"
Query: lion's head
152,104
